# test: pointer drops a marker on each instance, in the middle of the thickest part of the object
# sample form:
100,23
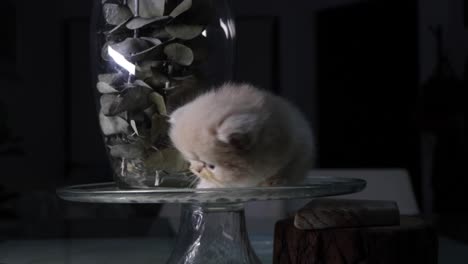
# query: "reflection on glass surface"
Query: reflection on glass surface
120,60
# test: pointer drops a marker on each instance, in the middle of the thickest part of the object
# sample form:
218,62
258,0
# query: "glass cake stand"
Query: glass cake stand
212,227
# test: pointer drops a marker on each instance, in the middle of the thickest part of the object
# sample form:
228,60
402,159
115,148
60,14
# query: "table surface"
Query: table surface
90,251
146,250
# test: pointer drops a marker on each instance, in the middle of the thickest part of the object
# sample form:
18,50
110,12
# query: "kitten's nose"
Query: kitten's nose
196,167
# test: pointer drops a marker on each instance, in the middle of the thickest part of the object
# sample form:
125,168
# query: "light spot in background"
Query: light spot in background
228,28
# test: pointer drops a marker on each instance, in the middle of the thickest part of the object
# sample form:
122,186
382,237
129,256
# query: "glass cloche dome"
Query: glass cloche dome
150,57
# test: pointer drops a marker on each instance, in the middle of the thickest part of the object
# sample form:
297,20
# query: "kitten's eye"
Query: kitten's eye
211,167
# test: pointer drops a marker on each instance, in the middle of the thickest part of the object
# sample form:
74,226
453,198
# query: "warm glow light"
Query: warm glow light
121,60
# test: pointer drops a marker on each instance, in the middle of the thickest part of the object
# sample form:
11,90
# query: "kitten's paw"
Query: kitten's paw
206,184
270,182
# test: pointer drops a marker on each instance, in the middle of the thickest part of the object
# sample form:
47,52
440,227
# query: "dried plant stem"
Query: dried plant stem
137,14
135,31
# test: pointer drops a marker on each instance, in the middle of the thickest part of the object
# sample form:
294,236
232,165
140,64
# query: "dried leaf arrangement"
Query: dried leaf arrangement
151,49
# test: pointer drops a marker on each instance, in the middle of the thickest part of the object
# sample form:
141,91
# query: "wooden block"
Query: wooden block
333,213
413,241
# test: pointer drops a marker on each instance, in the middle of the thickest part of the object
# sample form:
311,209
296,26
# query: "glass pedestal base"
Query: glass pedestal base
213,234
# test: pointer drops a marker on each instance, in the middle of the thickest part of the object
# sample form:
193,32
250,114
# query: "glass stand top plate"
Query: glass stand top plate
110,193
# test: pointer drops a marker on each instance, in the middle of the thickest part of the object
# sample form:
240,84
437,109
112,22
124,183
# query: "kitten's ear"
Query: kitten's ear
239,131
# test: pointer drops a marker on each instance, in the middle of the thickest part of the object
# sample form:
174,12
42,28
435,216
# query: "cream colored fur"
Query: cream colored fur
240,136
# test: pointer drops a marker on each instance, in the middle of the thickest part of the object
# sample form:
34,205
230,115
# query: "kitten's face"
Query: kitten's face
216,141
214,161
216,172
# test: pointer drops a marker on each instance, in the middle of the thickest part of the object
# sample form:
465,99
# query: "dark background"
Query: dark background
365,72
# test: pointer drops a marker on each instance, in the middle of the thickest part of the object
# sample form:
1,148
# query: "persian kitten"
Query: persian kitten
241,136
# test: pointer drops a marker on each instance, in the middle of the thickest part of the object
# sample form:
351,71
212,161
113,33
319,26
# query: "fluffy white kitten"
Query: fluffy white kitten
240,136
